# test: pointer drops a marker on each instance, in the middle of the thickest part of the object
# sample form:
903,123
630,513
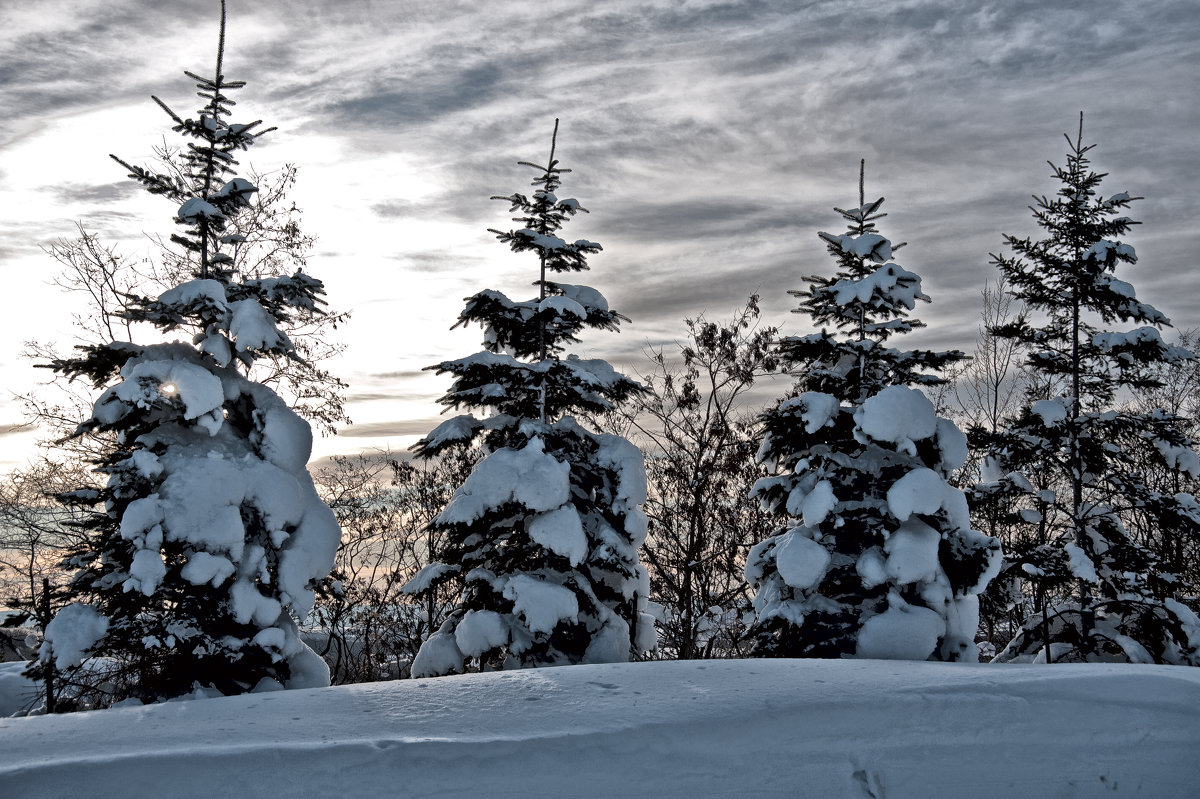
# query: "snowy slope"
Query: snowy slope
715,728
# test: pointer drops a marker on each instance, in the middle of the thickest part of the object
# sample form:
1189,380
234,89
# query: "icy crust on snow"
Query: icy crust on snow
70,634
527,476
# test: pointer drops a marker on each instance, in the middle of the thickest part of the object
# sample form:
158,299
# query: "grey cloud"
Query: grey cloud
406,374
72,60
710,141
10,429
85,194
423,97
386,396
701,218
407,427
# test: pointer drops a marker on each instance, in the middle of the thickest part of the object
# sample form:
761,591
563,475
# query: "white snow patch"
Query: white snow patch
899,415
1052,411
543,605
70,634
479,631
438,655
913,553
801,561
902,632
833,726
1080,564
425,577
527,476
561,532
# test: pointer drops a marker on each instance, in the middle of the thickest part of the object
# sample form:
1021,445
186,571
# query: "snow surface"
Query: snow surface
762,728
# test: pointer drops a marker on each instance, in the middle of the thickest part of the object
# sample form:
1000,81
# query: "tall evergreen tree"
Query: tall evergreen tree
210,537
544,533
1105,596
875,556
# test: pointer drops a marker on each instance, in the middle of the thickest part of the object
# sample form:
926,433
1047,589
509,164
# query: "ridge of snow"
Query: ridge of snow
666,729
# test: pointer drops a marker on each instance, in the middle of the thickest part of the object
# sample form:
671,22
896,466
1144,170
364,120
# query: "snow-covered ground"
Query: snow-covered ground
746,728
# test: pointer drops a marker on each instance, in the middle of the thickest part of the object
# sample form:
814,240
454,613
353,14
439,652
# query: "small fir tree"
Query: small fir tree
544,533
1078,457
875,556
211,536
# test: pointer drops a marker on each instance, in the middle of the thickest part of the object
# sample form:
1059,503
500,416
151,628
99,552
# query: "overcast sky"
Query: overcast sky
709,140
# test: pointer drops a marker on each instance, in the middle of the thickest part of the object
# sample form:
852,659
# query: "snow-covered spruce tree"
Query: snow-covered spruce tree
211,537
875,556
1105,597
544,533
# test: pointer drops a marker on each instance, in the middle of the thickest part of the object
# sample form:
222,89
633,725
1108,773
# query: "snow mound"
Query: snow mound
667,729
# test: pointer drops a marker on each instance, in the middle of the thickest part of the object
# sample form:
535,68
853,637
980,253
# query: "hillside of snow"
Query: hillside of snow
748,728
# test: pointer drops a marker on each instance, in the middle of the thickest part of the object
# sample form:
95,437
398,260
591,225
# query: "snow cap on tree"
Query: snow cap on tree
544,533
1076,462
875,556
211,538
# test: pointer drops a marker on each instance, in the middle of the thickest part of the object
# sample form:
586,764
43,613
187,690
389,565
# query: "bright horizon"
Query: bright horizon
710,141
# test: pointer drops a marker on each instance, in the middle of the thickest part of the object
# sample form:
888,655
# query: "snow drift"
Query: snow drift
687,729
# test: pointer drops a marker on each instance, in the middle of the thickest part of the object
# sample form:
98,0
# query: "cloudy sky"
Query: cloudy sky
710,140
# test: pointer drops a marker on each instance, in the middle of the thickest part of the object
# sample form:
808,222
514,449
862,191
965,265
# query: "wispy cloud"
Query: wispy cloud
710,140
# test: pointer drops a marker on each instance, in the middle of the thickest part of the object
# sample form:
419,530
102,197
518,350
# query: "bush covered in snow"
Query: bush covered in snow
875,556
544,534
209,537
1073,468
